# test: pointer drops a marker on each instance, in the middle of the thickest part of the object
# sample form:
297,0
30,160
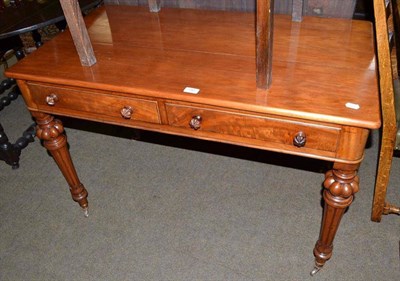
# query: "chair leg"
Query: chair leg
382,179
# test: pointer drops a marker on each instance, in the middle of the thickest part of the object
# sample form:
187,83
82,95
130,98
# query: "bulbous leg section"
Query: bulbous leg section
339,188
51,131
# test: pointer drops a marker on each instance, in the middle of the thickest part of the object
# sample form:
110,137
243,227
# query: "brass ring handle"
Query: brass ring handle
51,99
300,139
195,122
126,112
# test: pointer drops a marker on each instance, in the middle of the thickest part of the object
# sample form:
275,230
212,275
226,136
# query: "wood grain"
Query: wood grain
215,52
106,105
79,33
321,104
340,185
51,132
383,24
264,42
268,129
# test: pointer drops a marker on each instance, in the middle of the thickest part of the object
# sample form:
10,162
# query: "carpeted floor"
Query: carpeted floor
171,208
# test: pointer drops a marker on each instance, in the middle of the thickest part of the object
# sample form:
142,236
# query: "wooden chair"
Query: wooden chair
386,22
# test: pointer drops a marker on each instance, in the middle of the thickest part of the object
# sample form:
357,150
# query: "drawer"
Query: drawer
272,130
88,103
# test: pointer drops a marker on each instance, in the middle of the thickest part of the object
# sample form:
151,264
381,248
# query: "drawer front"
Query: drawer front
60,100
274,130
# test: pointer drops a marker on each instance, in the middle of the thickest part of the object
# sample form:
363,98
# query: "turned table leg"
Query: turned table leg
51,131
340,185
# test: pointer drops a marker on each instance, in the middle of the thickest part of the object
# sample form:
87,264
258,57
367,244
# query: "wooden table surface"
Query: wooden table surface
162,54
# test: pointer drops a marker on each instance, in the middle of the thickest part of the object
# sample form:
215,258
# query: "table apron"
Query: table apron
324,141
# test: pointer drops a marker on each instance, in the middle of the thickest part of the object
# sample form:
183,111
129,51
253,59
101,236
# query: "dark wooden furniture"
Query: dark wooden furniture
10,152
193,73
387,20
26,16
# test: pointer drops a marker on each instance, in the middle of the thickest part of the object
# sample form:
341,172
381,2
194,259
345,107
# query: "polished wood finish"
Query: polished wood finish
67,99
277,131
51,131
82,42
221,63
385,34
340,185
264,36
321,104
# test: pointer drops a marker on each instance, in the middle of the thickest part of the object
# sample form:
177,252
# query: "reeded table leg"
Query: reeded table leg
340,185
51,130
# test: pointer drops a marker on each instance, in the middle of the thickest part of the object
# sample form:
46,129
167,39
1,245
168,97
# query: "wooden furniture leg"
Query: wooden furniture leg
37,38
51,131
340,185
7,151
10,152
382,179
386,18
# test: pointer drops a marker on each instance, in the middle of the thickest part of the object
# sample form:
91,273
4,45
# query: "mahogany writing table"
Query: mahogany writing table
322,102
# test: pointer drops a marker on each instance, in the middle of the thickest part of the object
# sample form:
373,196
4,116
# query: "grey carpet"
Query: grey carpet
169,208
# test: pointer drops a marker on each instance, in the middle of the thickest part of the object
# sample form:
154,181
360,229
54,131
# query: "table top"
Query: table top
30,15
319,71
